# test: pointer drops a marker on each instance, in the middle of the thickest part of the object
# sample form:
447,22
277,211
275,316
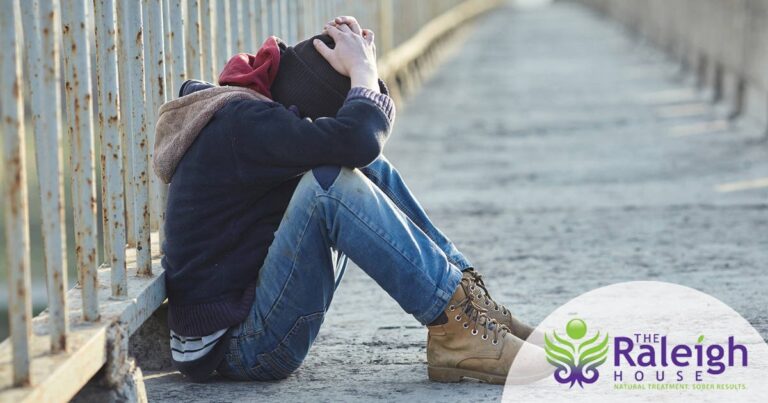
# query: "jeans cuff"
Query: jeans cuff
442,296
461,263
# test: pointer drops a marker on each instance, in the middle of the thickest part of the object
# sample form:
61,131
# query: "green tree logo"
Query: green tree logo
576,359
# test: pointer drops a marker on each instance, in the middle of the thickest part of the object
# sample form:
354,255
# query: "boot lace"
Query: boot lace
476,281
478,319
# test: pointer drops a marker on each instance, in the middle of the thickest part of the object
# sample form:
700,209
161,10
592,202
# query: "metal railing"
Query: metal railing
139,52
724,43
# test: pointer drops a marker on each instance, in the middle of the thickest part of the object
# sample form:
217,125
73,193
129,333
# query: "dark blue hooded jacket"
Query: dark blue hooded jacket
230,190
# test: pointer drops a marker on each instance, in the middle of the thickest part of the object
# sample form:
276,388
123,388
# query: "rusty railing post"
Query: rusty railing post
113,205
42,58
154,60
235,27
192,39
292,35
77,85
168,62
178,54
131,52
282,7
15,192
251,27
264,18
223,42
206,41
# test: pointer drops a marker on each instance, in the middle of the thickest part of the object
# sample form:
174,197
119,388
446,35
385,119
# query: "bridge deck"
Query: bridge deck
561,155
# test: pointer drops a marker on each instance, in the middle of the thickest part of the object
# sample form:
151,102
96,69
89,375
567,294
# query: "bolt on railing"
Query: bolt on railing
144,50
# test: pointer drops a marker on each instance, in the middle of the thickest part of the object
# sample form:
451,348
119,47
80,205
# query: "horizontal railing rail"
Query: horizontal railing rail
117,62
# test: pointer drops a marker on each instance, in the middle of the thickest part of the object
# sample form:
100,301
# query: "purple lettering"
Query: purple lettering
647,358
619,350
715,353
680,351
732,347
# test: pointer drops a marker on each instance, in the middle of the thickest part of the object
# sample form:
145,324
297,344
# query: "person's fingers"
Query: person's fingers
323,49
330,23
368,35
351,22
344,28
333,32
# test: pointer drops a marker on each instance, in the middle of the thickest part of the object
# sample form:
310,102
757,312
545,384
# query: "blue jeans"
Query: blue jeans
367,215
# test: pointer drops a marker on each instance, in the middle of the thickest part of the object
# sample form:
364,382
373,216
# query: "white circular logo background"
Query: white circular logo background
642,341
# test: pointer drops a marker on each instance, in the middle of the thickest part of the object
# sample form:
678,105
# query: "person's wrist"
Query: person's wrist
364,76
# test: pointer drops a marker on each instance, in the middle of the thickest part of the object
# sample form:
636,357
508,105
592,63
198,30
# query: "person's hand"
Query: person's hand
354,54
353,25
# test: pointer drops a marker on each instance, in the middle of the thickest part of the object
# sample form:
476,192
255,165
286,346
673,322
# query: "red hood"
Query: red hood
256,72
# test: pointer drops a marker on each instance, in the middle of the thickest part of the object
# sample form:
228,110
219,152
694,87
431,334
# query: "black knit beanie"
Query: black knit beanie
307,80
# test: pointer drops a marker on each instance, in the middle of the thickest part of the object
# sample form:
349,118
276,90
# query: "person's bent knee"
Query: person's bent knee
293,349
277,364
328,176
283,374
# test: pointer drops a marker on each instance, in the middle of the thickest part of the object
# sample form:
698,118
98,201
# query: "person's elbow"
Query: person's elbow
366,150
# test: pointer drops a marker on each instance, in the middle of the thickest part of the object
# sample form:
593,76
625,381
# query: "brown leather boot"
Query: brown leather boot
470,344
480,296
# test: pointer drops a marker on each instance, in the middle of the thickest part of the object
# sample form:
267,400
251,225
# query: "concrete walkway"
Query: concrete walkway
561,155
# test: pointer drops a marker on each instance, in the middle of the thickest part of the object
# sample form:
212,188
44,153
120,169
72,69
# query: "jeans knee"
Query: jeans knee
278,364
293,349
378,165
287,361
284,373
328,176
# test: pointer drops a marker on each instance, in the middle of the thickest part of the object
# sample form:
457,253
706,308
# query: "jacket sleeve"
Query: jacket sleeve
269,135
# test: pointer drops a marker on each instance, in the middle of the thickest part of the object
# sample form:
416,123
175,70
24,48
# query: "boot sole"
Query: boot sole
453,375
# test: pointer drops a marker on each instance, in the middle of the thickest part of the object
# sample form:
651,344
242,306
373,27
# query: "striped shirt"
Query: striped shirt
198,356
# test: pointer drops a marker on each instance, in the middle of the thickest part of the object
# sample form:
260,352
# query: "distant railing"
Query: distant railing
143,51
723,42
